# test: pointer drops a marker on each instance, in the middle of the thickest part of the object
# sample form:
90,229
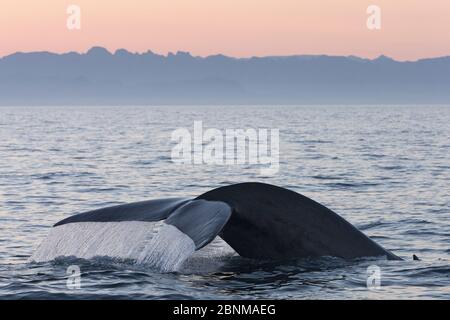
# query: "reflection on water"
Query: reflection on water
385,169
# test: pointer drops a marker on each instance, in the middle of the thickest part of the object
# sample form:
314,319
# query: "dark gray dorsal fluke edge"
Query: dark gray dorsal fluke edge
152,210
257,220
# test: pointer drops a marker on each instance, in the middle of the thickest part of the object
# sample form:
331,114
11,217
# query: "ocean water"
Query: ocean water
383,168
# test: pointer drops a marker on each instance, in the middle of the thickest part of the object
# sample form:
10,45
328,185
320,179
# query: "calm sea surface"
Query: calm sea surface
385,169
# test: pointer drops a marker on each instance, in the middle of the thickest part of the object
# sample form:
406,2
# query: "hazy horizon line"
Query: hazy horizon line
183,52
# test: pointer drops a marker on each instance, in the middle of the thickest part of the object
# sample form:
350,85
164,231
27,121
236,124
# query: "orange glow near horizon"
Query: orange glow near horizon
411,29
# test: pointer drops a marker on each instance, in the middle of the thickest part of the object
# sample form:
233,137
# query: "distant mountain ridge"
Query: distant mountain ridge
99,77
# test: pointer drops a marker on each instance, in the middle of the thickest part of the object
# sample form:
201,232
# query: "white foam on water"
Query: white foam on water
208,259
155,244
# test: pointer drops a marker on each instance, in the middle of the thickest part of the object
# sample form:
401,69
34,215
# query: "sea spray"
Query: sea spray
167,250
208,259
155,244
123,240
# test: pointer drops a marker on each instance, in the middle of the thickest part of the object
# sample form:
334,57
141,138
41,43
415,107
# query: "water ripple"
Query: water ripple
382,168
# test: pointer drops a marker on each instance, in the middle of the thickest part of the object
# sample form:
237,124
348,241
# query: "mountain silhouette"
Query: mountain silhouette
99,77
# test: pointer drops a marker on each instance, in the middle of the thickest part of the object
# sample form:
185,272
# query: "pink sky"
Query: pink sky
411,29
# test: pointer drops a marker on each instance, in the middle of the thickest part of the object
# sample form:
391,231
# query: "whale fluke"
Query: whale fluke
259,221
201,220
269,222
152,210
134,231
